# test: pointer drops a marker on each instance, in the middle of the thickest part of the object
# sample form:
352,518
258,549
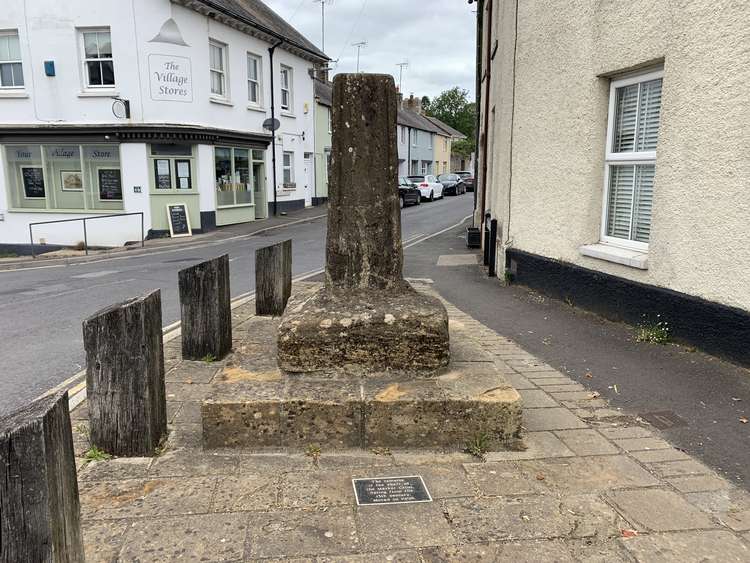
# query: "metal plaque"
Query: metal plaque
391,490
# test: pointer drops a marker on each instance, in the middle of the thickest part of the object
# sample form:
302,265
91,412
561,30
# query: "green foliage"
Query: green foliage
464,147
7,254
208,358
478,446
313,451
454,108
655,332
95,454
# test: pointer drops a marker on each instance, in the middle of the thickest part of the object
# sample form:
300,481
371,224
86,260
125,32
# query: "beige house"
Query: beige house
613,153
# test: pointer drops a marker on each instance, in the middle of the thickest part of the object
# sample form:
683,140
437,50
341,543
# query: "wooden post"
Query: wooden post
273,278
206,309
125,377
41,514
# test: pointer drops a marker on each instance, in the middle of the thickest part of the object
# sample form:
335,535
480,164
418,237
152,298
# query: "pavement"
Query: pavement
71,256
42,307
590,484
700,403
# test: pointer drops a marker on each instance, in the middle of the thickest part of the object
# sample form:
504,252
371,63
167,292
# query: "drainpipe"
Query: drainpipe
478,96
488,78
271,49
408,152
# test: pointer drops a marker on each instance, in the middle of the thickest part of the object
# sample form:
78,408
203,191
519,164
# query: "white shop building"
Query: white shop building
116,107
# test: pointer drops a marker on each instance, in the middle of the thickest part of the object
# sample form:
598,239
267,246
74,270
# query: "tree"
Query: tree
453,108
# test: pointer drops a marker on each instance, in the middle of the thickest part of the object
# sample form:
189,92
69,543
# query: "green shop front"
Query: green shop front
67,171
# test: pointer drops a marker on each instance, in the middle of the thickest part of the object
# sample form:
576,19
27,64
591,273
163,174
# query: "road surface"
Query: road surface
41,310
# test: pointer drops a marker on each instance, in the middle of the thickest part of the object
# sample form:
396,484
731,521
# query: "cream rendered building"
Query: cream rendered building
614,155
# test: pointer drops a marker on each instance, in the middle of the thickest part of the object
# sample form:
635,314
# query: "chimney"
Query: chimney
413,104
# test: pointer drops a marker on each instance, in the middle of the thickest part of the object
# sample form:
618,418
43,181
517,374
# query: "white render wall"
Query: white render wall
700,225
48,31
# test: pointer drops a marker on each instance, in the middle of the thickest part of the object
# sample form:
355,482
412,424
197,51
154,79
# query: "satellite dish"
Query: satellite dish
271,124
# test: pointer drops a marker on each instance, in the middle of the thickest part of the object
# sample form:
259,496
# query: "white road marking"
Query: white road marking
100,274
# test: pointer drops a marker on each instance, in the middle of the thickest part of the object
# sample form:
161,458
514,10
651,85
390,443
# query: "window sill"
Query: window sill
221,101
68,211
624,256
235,206
98,94
288,114
13,94
259,109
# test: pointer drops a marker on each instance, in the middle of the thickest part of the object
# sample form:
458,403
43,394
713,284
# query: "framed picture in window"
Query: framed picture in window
162,174
71,180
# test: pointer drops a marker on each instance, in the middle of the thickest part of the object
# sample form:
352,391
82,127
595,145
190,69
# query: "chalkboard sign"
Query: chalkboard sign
179,221
33,181
110,184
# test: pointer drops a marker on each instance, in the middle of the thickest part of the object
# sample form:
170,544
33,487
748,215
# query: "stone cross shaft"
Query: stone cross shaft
363,247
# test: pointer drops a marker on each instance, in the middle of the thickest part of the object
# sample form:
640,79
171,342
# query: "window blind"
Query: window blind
631,193
649,110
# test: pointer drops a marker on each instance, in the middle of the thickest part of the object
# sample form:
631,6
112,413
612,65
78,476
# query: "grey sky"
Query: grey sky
436,37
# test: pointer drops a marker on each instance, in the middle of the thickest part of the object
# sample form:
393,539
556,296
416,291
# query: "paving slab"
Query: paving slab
730,506
586,442
205,537
590,474
295,533
640,444
698,483
403,526
102,541
659,510
689,547
538,445
551,419
535,398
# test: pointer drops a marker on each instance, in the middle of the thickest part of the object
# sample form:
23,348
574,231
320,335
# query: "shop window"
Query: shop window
64,177
172,167
11,67
98,64
239,175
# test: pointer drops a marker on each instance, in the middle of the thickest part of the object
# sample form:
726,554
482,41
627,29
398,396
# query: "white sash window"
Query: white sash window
632,133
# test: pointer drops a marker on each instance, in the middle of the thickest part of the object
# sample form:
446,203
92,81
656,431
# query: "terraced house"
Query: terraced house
615,161
130,106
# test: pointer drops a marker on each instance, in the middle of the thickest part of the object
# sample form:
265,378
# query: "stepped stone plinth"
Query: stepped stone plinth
366,316
364,359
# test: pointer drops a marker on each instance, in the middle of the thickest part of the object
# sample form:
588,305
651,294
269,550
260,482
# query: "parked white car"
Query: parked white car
428,186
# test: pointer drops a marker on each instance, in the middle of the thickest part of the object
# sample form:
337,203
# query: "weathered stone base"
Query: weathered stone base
365,329
464,401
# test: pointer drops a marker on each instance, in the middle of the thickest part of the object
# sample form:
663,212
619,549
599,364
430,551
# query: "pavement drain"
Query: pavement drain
662,420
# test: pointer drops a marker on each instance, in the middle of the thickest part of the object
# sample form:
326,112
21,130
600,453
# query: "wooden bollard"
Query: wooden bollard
205,305
273,278
41,513
125,377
